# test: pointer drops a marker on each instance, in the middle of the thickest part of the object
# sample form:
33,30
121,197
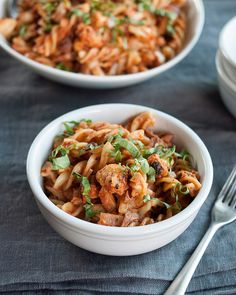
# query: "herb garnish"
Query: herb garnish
88,207
69,126
179,188
48,27
61,66
61,162
128,145
146,5
50,7
147,198
143,164
151,174
183,155
116,154
23,30
84,16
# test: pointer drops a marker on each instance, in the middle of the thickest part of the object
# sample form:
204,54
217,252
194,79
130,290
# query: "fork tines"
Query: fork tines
228,192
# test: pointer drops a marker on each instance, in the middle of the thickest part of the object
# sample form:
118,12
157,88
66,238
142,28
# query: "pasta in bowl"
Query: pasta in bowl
119,189
98,37
119,175
102,44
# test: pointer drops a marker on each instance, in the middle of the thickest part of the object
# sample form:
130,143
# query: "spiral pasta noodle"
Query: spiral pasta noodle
119,175
98,37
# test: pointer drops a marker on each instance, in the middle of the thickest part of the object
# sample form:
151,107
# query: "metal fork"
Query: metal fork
223,212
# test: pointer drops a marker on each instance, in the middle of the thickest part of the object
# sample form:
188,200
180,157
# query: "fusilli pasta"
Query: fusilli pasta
119,175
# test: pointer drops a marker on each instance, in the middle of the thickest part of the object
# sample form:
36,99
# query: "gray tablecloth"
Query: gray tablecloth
35,259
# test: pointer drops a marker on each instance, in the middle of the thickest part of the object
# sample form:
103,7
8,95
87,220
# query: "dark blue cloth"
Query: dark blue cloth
36,260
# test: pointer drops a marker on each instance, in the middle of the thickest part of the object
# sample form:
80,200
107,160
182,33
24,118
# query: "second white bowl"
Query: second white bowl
195,21
227,47
226,86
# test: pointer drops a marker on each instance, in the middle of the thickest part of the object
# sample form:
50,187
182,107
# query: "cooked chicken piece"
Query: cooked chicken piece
93,191
155,139
129,218
7,27
140,135
138,189
113,178
110,219
159,165
107,199
126,202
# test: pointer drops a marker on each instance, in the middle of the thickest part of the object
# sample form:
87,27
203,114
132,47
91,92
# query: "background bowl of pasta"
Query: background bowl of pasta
89,44
92,201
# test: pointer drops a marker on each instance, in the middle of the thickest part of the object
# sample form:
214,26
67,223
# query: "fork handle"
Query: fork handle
180,283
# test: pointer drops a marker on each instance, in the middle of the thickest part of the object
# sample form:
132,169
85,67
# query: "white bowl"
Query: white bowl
227,46
115,240
195,19
226,85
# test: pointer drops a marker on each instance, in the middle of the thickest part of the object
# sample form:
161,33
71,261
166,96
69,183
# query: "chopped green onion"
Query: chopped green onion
89,212
166,204
103,6
146,5
170,29
60,163
143,164
163,152
61,66
179,188
60,149
92,146
88,207
116,154
148,152
63,161
183,155
50,7
69,129
128,145
146,198
134,168
170,161
84,16
167,152
138,143
23,30
86,185
151,175
176,207
184,190
48,27
137,22
115,32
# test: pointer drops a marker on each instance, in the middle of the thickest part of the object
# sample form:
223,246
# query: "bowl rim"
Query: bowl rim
119,78
221,71
109,231
222,44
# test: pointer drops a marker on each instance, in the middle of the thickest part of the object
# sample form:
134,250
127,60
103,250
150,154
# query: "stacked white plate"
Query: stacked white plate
226,65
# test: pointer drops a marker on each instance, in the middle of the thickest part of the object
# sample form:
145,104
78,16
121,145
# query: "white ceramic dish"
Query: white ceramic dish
227,46
115,240
226,85
196,16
